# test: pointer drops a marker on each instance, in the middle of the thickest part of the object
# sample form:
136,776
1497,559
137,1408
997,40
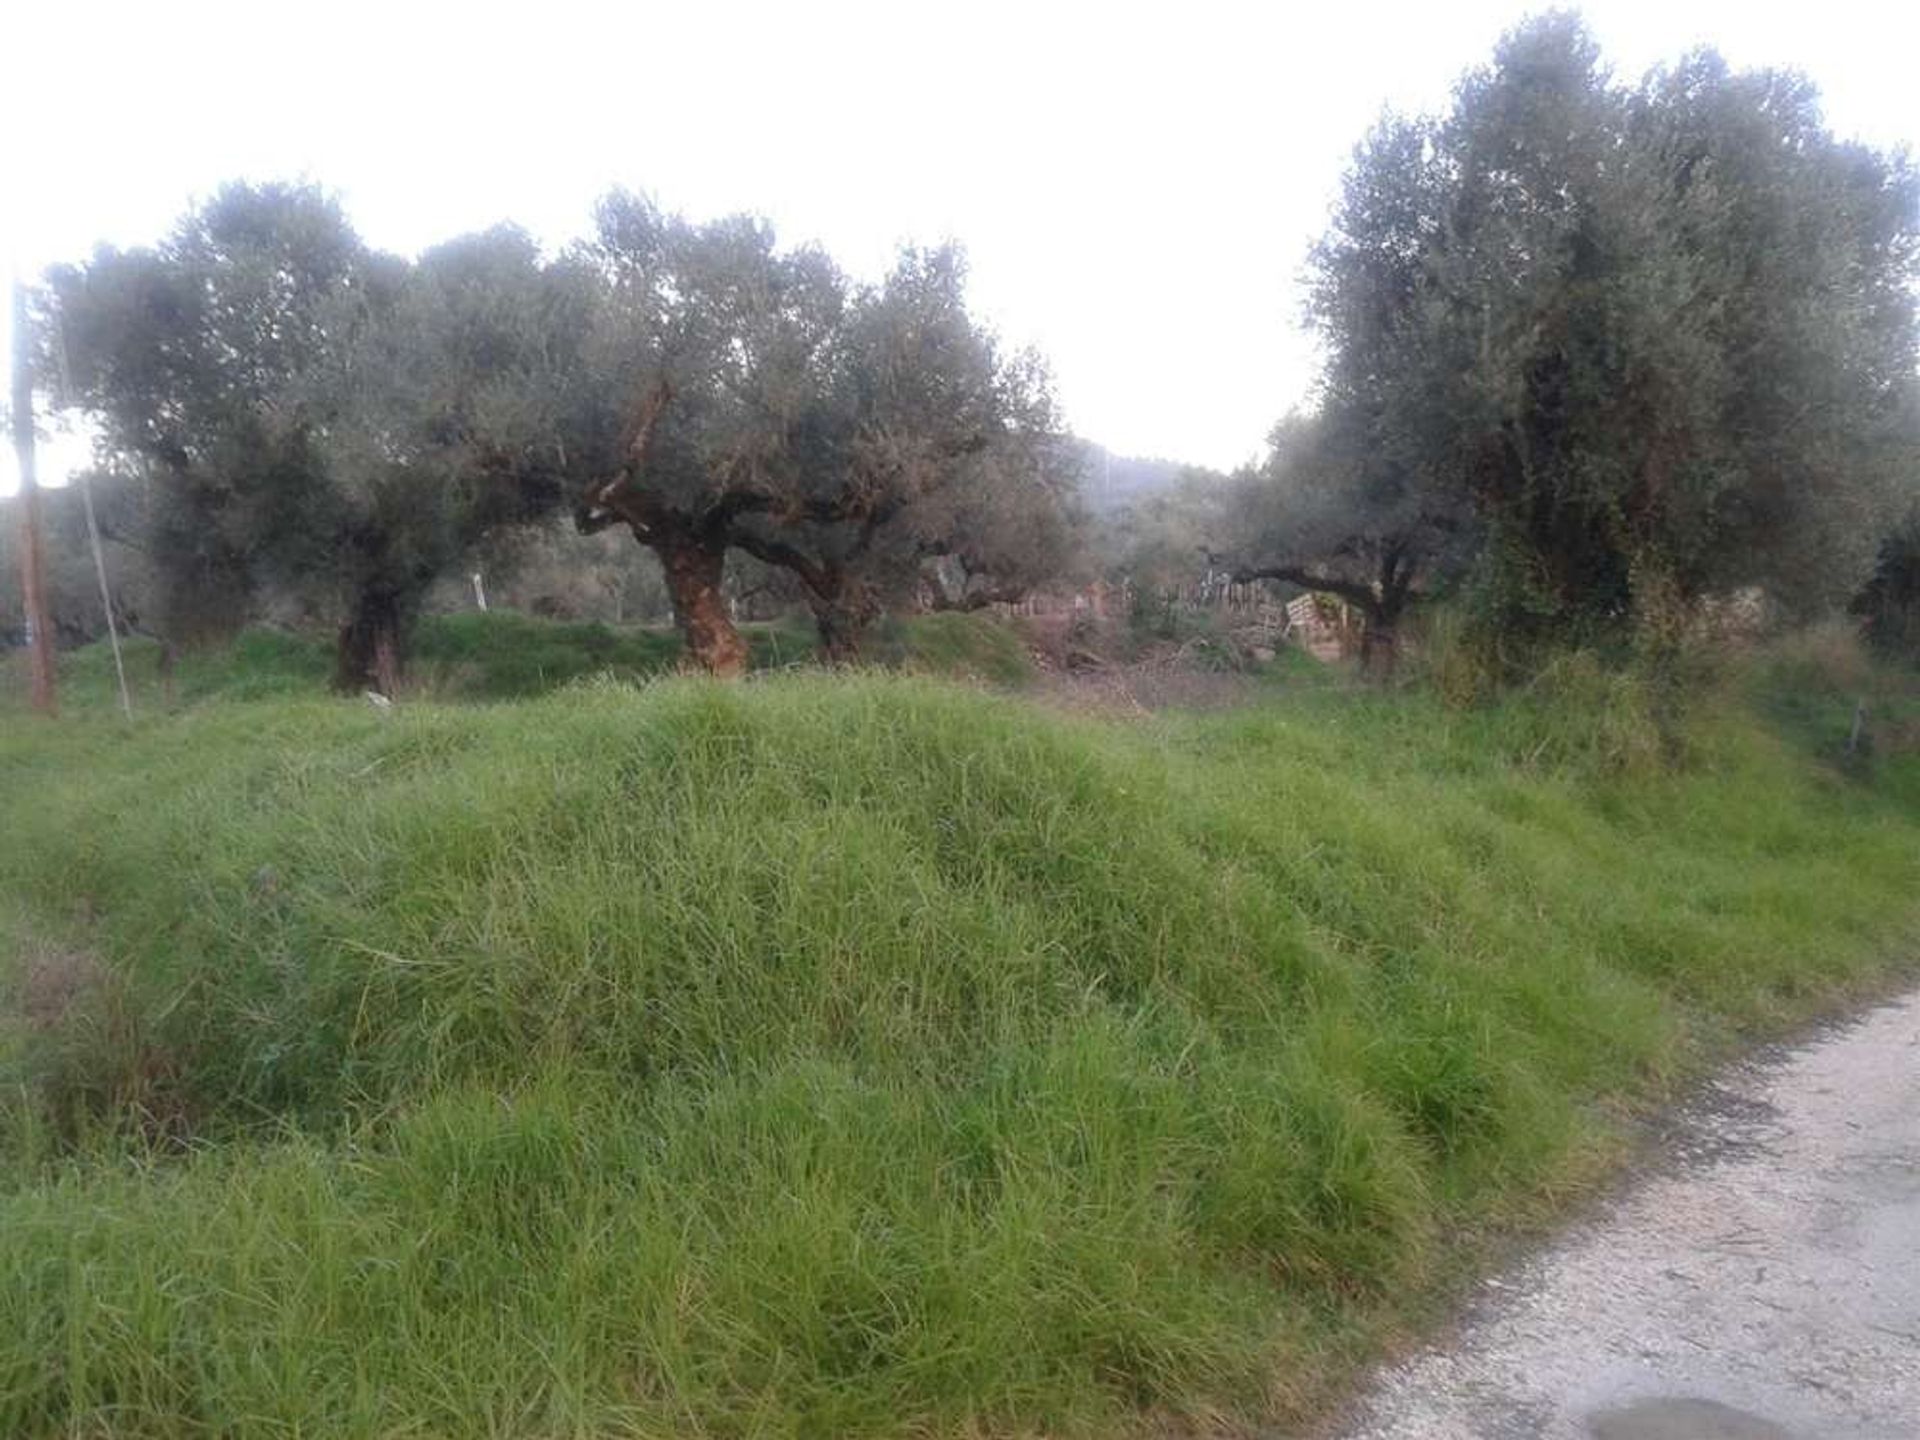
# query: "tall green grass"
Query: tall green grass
503,655
850,1056
951,643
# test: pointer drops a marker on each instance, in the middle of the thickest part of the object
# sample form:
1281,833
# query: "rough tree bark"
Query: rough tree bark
369,655
692,551
695,565
843,605
842,616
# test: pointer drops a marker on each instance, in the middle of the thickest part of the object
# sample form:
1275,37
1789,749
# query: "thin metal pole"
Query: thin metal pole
106,594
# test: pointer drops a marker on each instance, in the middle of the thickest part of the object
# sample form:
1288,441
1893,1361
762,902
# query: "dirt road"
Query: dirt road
1762,1284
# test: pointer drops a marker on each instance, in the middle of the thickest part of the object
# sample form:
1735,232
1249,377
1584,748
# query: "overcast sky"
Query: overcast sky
1136,184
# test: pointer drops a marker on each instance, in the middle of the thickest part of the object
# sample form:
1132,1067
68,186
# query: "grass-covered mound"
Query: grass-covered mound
845,1056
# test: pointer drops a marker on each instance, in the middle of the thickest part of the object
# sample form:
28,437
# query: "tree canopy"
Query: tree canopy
310,415
1593,351
314,417
1598,350
844,433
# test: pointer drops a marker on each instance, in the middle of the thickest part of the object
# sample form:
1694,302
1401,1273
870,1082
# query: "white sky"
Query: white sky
1136,183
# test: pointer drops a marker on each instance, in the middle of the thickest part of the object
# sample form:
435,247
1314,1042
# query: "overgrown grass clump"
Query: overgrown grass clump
952,643
842,1056
257,664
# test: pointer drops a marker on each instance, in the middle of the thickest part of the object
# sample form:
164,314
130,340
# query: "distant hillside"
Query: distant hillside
1110,481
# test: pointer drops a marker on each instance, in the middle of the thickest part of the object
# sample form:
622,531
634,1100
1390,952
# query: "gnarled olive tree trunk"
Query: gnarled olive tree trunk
1382,603
695,565
842,622
844,604
692,549
1379,642
369,655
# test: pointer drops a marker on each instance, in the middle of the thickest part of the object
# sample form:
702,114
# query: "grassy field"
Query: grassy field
862,1055
501,655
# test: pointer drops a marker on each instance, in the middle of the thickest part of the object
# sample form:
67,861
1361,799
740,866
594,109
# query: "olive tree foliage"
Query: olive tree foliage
184,354
311,417
741,397
315,419
980,499
944,470
1615,348
1776,271
435,422
692,405
1354,498
1014,522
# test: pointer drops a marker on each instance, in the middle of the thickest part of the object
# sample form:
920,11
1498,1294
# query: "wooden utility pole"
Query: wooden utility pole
33,566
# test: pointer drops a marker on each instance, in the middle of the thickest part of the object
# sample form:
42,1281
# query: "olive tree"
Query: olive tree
435,424
1330,514
937,465
185,354
696,401
315,418
1639,344
740,397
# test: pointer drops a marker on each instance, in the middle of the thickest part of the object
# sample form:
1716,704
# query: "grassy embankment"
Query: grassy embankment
839,1056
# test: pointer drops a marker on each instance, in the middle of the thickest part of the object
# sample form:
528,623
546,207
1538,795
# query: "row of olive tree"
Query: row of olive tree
305,413
1593,352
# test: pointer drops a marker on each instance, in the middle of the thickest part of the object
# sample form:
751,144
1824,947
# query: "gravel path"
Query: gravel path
1764,1285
